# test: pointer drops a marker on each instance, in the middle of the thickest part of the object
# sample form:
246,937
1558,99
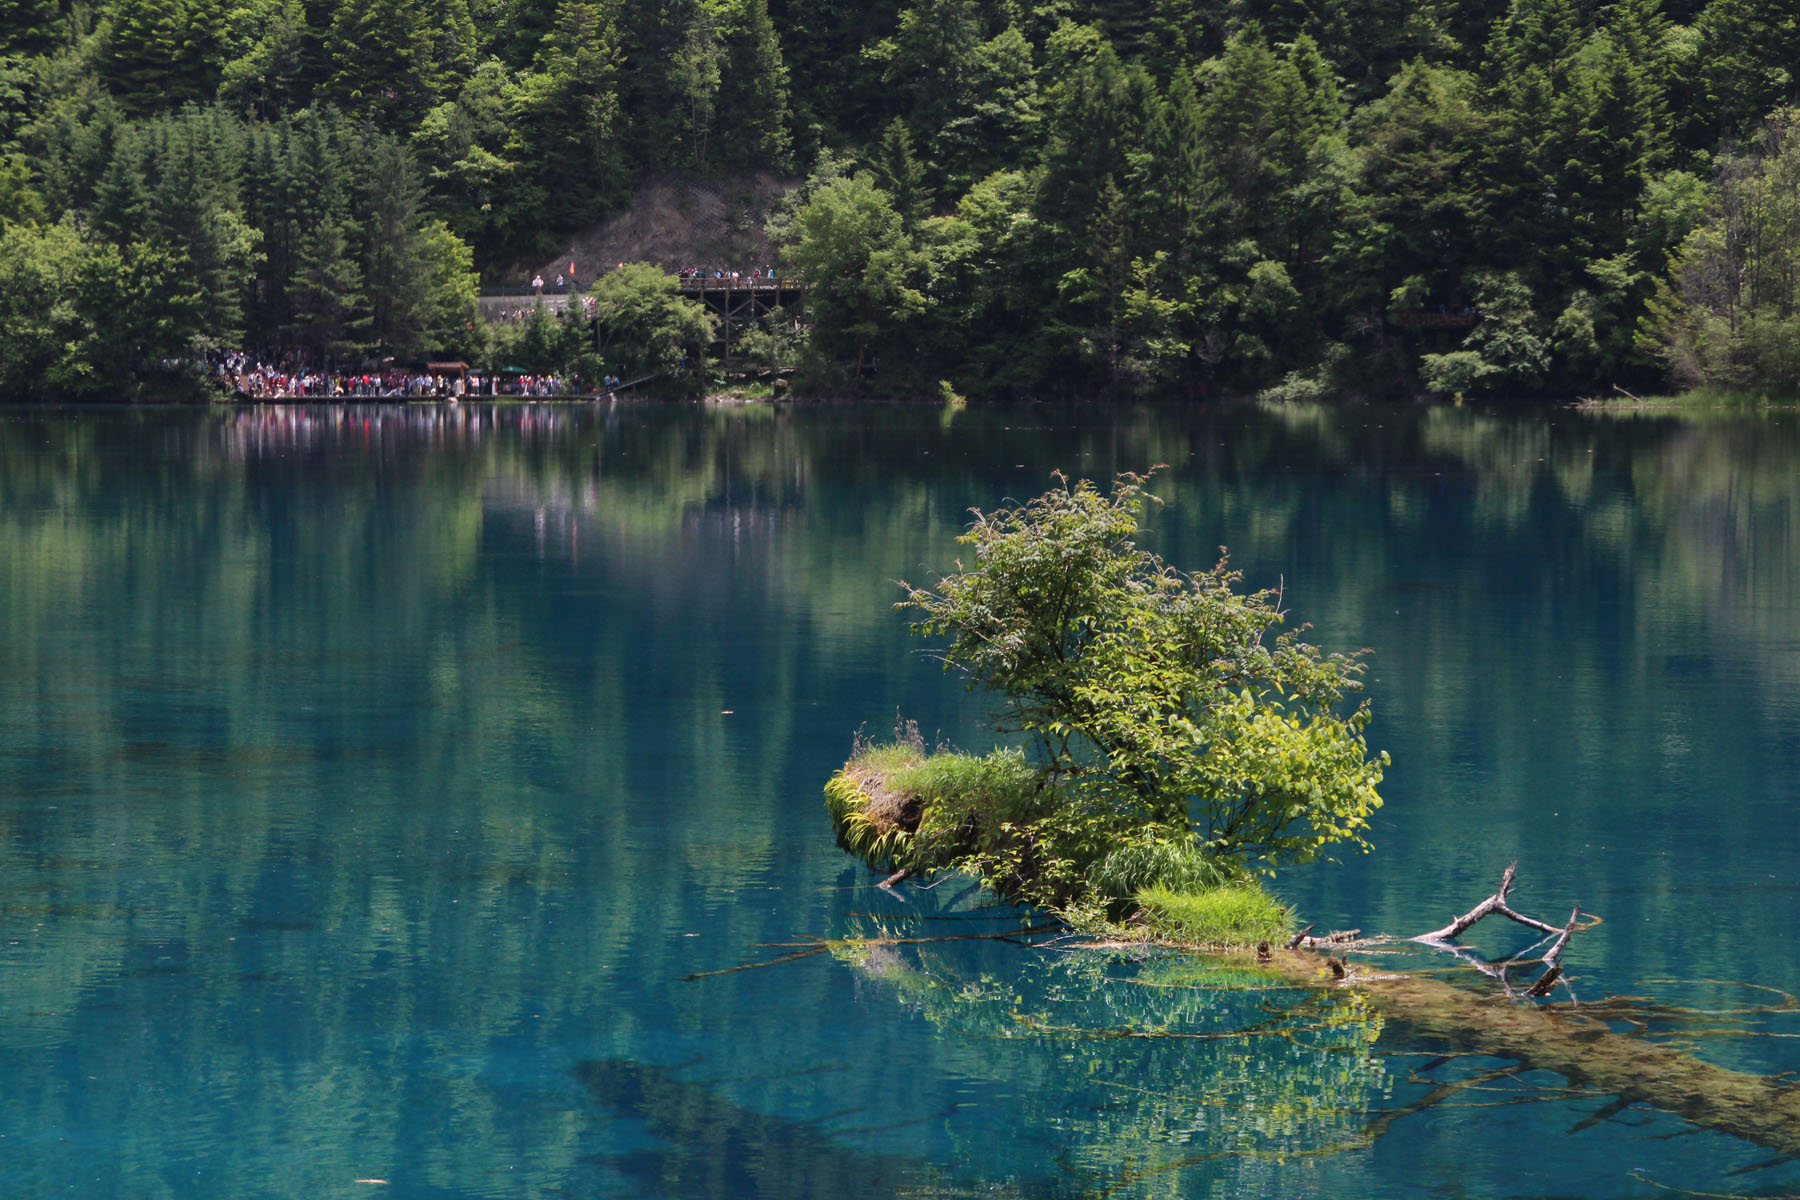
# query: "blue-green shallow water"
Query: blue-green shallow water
371,778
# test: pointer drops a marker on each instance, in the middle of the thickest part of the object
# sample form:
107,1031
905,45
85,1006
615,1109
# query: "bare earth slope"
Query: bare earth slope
714,224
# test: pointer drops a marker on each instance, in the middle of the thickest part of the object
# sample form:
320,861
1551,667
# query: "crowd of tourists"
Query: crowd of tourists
290,380
719,273
538,284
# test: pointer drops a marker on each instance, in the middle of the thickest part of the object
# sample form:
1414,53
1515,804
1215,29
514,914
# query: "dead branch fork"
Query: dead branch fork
1496,903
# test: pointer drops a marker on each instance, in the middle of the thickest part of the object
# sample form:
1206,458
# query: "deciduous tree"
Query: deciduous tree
1166,697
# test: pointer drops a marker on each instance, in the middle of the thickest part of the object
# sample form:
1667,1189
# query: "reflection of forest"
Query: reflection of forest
341,746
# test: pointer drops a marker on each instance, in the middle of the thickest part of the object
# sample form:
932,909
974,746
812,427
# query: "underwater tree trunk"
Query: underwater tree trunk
1574,1041
1574,1044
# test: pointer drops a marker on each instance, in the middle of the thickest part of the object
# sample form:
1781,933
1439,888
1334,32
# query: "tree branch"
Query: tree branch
1553,960
1495,903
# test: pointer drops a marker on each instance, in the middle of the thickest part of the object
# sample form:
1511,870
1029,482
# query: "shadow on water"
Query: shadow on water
716,1148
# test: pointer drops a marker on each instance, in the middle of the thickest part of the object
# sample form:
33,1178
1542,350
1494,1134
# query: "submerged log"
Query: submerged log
1760,1109
1568,1040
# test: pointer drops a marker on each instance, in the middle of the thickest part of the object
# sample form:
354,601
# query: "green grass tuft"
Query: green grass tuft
1001,781
1236,914
887,757
1177,861
894,805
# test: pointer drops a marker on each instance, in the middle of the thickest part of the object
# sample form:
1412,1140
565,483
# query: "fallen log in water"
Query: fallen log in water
1574,1042
1579,1047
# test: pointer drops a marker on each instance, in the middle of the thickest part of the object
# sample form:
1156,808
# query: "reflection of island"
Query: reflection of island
1247,1055
1139,1065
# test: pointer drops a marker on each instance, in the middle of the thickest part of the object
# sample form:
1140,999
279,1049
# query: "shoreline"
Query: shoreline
1647,406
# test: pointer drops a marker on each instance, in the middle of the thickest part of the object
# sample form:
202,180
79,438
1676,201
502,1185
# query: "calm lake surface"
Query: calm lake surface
374,783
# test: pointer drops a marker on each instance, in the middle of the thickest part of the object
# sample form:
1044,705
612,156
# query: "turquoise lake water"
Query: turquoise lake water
386,793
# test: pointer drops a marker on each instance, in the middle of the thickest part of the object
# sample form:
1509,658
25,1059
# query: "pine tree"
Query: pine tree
1369,39
198,211
393,60
1325,106
329,311
29,27
836,91
1109,271
752,121
326,309
1417,197
1085,140
161,53
1530,165
1255,120
390,199
1745,64
669,55
122,198
1180,183
932,68
265,54
565,122
995,120
899,173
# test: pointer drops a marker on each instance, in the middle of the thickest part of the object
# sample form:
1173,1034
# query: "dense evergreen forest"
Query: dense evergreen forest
1011,196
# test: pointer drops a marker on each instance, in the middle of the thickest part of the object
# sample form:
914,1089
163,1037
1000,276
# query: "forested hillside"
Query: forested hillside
1014,196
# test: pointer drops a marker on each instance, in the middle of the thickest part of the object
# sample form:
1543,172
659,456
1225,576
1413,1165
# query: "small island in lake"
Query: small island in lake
1179,753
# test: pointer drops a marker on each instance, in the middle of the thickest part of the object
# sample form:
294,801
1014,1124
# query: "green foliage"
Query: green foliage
1130,197
1507,349
847,241
1237,914
752,103
895,807
1730,314
19,201
1154,697
265,55
1154,858
461,146
160,52
84,318
28,26
644,325
879,844
996,816
976,812
899,173
393,60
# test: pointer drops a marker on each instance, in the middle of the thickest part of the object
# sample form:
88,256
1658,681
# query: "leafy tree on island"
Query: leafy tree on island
1177,739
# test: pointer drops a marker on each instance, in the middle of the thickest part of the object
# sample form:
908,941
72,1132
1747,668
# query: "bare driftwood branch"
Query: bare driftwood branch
1340,940
1553,959
1495,903
1554,955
